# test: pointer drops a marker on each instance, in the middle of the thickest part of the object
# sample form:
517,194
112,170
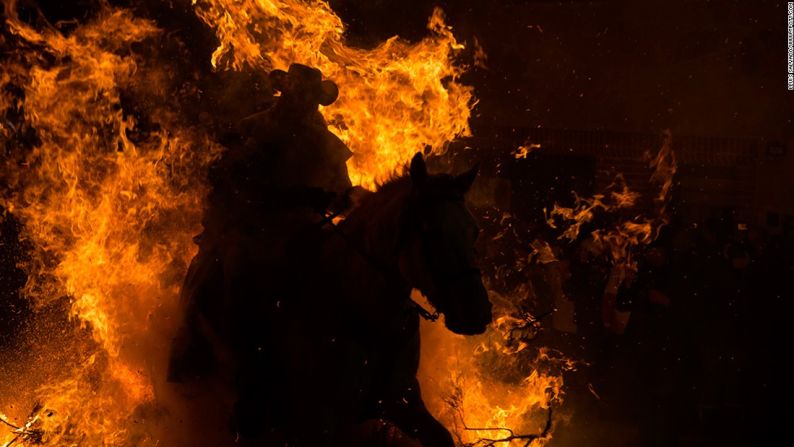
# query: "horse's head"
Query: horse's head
436,252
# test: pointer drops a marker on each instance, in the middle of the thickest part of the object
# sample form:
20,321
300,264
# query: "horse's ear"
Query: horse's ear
464,181
418,170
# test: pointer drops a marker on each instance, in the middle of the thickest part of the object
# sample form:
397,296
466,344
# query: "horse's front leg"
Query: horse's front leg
409,414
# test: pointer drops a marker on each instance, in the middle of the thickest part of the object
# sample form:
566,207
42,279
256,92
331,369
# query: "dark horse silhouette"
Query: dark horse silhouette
334,339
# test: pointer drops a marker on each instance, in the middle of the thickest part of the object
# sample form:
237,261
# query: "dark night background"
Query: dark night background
596,82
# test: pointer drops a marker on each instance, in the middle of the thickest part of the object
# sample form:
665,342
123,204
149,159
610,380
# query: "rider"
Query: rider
302,158
286,170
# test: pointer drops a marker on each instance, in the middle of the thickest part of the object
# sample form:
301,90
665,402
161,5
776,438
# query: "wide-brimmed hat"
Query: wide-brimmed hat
304,79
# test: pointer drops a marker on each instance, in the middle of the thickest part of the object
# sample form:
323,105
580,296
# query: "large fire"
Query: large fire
108,209
395,99
106,175
491,389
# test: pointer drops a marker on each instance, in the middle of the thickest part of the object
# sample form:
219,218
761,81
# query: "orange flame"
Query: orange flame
395,99
664,168
109,206
642,230
524,150
491,386
109,217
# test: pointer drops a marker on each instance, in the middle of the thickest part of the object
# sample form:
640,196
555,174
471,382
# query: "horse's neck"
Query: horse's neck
373,232
367,272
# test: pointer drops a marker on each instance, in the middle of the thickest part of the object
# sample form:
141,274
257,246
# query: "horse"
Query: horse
336,341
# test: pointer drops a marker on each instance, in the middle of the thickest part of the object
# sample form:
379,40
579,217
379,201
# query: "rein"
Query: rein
376,264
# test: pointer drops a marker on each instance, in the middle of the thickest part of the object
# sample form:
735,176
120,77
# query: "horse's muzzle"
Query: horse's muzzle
469,310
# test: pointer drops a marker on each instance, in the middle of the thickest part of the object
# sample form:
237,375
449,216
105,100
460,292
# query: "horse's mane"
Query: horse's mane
379,206
380,210
385,193
374,203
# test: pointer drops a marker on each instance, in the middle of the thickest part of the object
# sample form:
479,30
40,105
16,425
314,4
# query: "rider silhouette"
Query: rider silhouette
269,189
302,158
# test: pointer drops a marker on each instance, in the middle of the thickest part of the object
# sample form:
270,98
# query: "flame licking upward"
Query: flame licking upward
621,238
395,99
108,208
110,194
491,387
108,219
105,173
